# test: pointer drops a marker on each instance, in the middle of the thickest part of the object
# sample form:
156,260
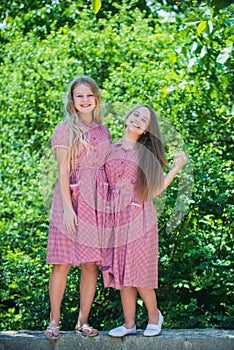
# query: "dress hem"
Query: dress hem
98,263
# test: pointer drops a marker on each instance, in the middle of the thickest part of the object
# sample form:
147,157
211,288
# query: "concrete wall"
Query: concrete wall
177,339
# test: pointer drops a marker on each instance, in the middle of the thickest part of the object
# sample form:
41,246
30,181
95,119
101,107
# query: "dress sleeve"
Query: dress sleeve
107,133
60,137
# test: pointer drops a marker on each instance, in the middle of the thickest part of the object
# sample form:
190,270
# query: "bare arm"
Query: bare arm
69,216
180,160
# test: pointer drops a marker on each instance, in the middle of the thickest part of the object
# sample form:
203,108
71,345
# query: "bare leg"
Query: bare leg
58,280
150,300
128,298
87,292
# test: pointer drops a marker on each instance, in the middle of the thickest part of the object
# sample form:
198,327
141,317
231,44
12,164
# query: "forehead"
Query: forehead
143,112
82,89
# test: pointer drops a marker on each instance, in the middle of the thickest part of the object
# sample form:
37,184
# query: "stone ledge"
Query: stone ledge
176,339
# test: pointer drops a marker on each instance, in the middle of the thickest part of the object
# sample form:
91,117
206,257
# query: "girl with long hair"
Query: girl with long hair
81,144
134,169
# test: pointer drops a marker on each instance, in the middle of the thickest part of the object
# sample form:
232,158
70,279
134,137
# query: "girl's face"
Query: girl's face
139,120
84,100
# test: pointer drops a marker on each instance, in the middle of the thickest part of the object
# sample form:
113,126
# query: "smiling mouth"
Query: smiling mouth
135,125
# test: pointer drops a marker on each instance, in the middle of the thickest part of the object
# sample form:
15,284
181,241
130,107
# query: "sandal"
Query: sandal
52,333
87,330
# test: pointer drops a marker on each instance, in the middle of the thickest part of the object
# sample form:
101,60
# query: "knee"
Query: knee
89,267
61,268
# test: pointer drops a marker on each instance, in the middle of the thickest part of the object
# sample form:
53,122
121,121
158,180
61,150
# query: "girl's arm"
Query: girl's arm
180,160
69,216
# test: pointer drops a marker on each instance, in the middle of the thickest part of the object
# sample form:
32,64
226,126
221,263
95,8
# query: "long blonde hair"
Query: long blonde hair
151,158
73,120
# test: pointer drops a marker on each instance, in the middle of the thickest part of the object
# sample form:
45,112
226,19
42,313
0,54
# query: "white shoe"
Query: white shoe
154,329
122,331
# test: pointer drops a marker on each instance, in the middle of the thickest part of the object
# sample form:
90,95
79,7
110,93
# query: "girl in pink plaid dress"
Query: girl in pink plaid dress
134,170
81,144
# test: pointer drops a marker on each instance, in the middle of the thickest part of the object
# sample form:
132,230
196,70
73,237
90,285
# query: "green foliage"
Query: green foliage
180,65
96,6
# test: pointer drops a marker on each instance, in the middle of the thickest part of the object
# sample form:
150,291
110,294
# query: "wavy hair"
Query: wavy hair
73,120
151,158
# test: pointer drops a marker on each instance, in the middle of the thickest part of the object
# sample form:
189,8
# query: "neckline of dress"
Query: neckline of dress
127,148
89,125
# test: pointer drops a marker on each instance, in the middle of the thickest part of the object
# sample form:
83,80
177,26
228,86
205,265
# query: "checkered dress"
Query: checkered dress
131,247
88,185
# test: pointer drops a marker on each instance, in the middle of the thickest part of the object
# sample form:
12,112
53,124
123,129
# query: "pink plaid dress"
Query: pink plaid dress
89,188
131,235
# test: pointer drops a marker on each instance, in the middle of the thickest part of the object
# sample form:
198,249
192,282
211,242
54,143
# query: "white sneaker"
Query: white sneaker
154,329
122,331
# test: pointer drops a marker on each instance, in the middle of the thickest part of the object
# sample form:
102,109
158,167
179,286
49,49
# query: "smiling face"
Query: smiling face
138,121
84,101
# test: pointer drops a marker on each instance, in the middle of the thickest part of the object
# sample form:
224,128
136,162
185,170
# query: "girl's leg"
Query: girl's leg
87,292
150,301
128,298
154,315
58,280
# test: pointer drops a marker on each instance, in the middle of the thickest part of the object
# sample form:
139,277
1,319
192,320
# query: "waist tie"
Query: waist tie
95,167
76,174
126,187
122,184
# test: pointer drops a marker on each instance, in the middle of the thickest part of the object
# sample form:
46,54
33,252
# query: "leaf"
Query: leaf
157,35
203,51
140,302
194,46
96,6
172,58
224,54
210,25
201,27
191,62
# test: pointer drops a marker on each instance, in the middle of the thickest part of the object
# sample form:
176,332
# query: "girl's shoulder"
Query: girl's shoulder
105,131
60,127
118,143
61,135
116,146
104,127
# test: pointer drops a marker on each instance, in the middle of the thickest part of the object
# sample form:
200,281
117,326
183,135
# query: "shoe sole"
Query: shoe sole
120,336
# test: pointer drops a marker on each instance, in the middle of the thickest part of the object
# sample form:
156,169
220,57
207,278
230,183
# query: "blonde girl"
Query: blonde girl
81,144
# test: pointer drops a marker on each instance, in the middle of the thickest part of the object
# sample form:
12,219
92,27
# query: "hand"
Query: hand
180,160
70,221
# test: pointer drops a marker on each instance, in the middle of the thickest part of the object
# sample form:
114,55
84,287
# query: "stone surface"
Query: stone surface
176,339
